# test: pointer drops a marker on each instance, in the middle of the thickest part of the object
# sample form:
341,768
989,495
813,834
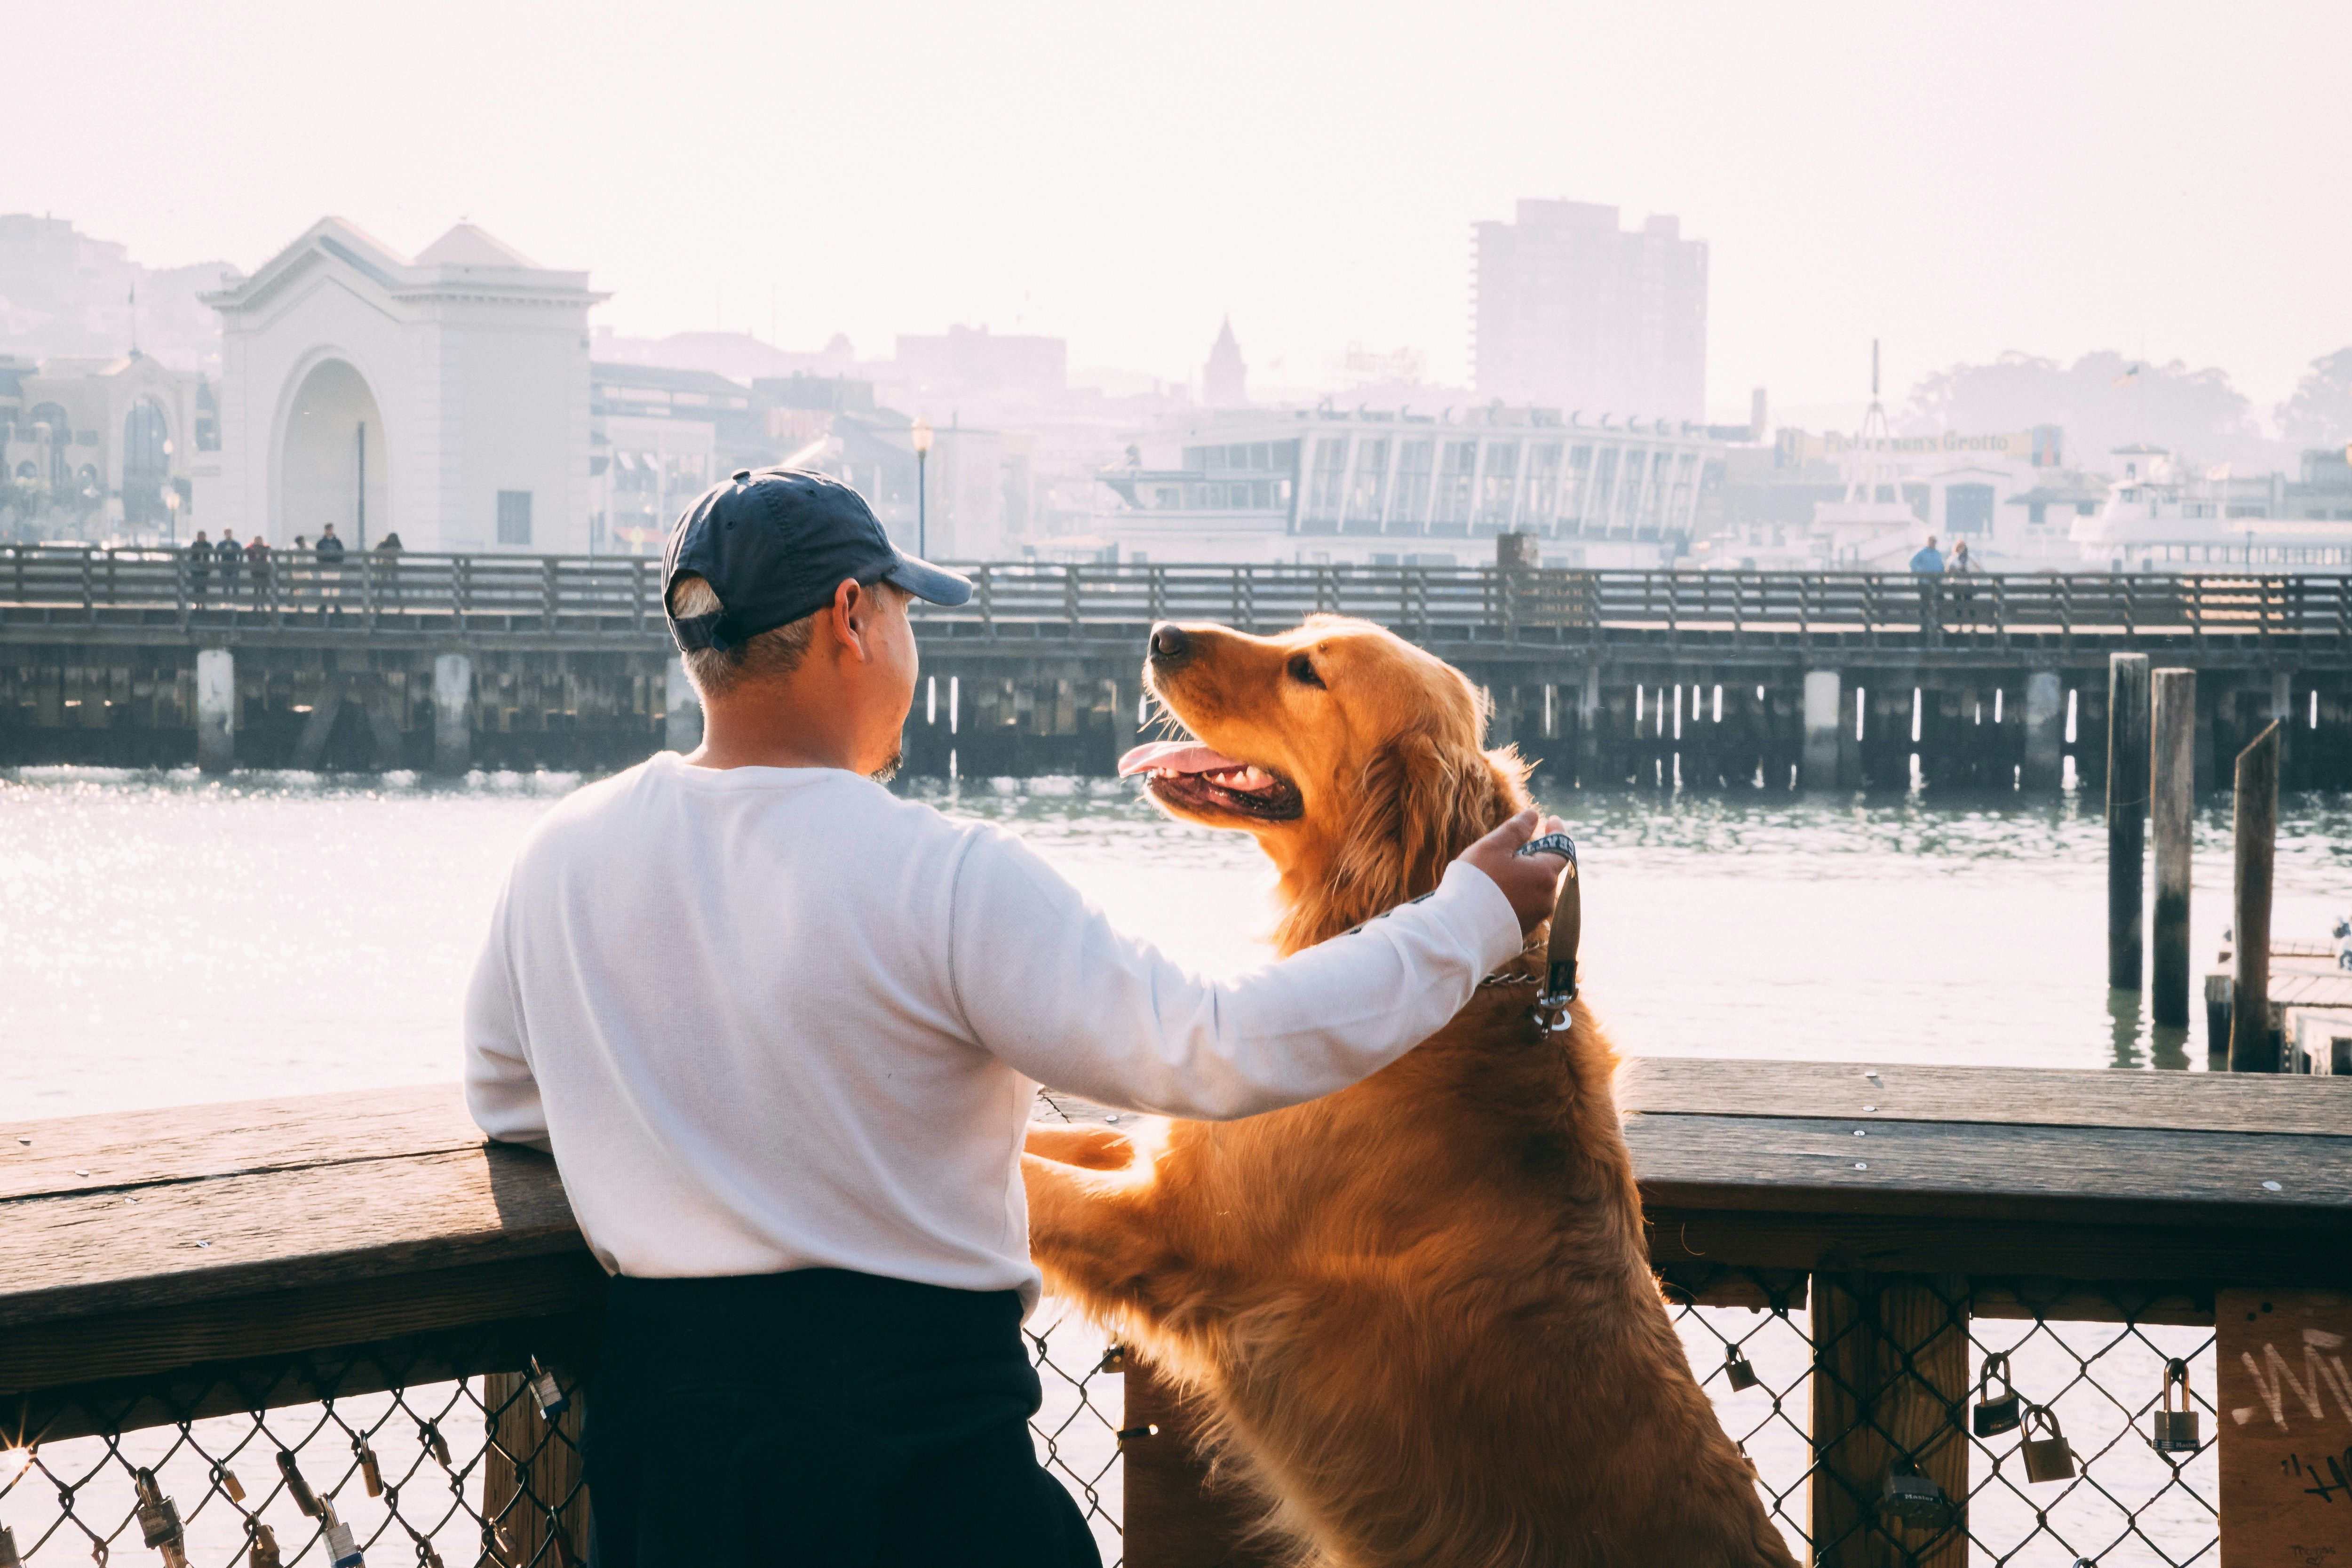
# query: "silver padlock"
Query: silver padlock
262,1551
2175,1431
296,1486
1995,1413
546,1392
1736,1371
158,1521
8,1558
2047,1458
371,1473
1913,1498
342,1548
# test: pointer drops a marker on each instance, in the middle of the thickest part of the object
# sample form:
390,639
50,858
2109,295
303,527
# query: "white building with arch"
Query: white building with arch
443,398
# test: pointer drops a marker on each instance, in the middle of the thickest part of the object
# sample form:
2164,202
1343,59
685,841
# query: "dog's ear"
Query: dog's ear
1419,802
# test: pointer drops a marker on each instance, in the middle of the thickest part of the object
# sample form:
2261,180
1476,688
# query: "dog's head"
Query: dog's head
1353,756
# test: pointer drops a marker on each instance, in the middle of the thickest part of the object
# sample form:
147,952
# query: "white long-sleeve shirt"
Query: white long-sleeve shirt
775,1018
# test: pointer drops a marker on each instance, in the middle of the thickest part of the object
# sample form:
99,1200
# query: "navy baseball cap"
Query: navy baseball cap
774,544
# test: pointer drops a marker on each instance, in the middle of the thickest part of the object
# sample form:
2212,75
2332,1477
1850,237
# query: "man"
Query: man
229,556
1929,561
329,552
256,555
781,1031
200,565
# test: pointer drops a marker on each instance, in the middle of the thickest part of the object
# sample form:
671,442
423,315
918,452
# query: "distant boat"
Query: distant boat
2159,519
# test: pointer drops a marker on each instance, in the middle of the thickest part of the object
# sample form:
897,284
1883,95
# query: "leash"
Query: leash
1558,978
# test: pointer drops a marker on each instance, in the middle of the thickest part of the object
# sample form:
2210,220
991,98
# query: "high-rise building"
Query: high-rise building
1573,311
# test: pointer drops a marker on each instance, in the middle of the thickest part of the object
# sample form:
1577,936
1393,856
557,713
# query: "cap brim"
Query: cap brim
932,584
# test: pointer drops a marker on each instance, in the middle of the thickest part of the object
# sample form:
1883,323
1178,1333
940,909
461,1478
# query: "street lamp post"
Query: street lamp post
922,487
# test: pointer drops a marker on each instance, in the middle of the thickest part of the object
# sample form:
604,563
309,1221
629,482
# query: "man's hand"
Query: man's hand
1529,882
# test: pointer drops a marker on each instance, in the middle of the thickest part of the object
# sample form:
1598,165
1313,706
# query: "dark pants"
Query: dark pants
820,1419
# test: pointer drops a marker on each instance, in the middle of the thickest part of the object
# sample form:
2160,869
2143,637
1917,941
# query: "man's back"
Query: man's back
704,957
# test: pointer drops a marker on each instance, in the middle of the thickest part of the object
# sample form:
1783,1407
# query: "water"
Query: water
174,938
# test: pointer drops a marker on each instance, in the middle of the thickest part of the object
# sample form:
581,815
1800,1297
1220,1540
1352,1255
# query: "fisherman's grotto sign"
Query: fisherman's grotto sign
2285,1403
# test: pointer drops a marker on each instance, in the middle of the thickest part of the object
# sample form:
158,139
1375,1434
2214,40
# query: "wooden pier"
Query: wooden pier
1714,679
160,1268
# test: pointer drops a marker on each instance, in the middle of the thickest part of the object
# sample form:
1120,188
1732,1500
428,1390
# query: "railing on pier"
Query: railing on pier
352,1289
618,597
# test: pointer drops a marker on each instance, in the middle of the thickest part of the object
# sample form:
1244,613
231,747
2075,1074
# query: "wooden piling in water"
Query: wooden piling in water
2256,831
2127,786
2173,704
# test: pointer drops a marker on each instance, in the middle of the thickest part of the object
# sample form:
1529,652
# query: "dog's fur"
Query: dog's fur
1420,1312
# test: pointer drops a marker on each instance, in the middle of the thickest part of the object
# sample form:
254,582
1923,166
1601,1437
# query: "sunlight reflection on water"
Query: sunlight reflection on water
171,937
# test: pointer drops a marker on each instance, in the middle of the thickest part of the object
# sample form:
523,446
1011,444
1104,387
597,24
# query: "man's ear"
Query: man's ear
852,616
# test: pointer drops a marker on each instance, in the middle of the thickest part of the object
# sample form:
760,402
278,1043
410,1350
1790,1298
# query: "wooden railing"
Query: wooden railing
359,1282
619,598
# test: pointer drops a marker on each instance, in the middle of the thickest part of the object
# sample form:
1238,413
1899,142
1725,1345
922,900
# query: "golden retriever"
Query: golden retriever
1420,1312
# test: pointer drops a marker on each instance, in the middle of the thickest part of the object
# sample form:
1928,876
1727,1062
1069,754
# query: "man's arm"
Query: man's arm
500,1089
1048,987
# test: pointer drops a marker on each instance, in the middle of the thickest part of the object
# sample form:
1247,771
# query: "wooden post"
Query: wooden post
531,1482
2045,731
2174,786
1890,1379
2127,785
1819,768
2256,830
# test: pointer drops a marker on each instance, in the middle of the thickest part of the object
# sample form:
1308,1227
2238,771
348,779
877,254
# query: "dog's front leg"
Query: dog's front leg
1100,1240
1092,1148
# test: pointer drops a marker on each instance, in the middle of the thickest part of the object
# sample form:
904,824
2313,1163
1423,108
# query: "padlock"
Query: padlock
1995,1413
546,1392
2175,1431
296,1486
229,1483
431,1436
342,1550
263,1552
1113,1359
425,1556
371,1473
1913,1498
8,1558
2047,1458
158,1521
1736,1371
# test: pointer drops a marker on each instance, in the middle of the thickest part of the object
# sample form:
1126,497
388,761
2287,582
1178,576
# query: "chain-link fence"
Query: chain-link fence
1925,1453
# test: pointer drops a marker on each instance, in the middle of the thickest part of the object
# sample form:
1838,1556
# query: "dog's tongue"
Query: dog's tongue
1176,756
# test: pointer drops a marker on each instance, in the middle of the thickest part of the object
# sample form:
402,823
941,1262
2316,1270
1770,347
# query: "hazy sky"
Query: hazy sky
2161,178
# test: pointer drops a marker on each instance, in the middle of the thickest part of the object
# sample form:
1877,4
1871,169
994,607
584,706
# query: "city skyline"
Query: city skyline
1958,183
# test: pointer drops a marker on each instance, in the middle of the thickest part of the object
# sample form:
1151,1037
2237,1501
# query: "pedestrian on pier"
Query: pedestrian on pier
781,1031
256,558
230,559
387,566
1928,565
329,554
200,566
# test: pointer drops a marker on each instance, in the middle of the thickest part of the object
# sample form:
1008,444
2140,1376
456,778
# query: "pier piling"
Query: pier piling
681,710
2256,831
215,710
2173,786
453,730
1822,709
2127,789
2045,730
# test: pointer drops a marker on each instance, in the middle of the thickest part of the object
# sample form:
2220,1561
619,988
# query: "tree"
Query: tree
2102,401
2320,412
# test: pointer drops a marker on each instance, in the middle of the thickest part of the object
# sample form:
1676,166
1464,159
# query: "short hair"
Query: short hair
771,654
